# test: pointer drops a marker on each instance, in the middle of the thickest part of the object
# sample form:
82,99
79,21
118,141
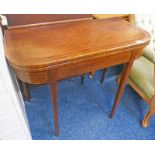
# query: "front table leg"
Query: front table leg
122,85
55,104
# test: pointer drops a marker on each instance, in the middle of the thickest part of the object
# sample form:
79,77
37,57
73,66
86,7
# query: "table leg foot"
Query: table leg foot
56,133
111,116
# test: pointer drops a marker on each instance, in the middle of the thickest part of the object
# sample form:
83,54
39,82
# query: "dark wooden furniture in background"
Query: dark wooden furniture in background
15,20
49,53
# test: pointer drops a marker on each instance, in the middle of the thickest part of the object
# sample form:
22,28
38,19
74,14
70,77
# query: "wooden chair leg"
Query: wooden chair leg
82,78
25,92
103,75
151,112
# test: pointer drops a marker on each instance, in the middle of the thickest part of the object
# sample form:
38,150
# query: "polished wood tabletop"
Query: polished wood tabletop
42,46
48,53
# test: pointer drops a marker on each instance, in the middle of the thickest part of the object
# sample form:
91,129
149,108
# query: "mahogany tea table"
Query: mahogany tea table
48,53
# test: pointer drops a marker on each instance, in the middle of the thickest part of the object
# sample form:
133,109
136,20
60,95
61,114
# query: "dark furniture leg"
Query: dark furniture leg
103,75
25,91
82,78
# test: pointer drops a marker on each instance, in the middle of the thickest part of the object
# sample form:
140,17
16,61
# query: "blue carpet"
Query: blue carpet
84,111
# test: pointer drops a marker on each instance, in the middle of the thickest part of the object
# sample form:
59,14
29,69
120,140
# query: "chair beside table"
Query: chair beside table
142,75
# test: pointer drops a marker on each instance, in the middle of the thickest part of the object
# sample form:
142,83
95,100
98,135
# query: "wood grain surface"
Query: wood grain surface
43,46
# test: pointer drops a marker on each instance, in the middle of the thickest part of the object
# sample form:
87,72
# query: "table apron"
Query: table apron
74,68
79,67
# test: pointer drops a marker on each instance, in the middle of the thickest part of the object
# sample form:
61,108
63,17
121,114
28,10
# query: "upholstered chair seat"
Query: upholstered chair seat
149,52
142,75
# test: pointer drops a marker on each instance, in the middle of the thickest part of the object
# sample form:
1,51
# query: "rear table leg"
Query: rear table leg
25,91
82,78
103,75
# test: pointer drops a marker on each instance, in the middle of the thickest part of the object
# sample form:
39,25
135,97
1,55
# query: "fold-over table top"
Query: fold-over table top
47,45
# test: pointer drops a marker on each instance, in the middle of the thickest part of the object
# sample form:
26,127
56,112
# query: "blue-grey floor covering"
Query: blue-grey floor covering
84,111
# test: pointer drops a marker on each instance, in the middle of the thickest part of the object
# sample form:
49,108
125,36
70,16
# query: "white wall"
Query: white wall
13,119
